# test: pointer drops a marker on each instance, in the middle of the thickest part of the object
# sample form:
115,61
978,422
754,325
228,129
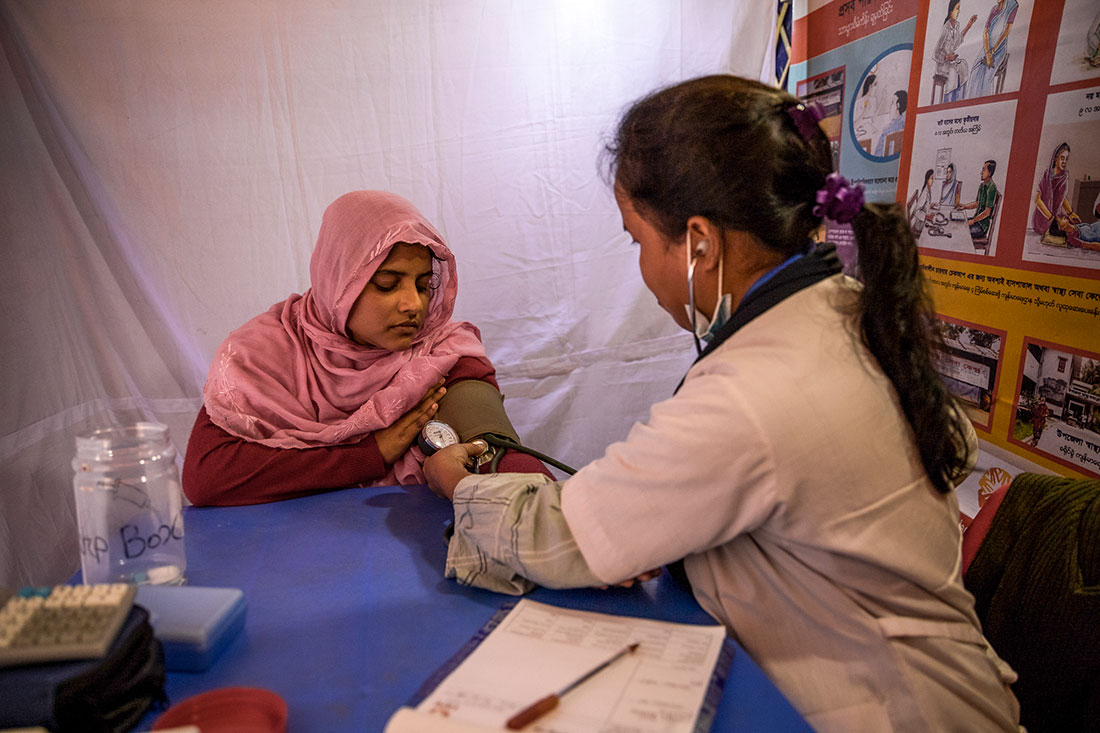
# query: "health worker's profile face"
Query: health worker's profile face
664,269
390,311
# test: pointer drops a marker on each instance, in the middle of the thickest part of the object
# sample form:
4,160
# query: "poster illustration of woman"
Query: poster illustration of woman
994,49
1051,203
950,189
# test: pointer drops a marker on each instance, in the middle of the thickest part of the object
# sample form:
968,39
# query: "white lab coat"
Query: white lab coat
785,473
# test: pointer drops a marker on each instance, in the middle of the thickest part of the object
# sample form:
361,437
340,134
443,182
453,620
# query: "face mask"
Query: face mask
704,328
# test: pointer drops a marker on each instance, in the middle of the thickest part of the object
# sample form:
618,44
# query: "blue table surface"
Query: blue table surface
348,610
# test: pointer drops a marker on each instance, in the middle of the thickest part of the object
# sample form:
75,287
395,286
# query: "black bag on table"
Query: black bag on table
108,695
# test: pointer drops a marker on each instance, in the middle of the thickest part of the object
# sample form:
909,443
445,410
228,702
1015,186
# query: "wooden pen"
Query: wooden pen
537,709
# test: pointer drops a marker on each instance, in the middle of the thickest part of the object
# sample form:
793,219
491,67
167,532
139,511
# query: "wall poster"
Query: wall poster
999,172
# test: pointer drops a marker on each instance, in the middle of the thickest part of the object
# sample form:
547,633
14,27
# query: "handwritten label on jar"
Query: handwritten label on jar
134,541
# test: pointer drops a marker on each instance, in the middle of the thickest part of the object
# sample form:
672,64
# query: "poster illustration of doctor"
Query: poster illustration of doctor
964,151
952,71
877,115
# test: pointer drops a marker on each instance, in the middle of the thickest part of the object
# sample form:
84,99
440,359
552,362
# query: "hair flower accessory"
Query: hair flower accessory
806,116
839,200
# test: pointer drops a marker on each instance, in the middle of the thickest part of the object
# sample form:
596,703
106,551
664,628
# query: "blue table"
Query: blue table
349,613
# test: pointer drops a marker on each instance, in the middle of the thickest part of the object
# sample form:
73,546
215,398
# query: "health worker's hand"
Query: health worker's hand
447,466
649,575
396,439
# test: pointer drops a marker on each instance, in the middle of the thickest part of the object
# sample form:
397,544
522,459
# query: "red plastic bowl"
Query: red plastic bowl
229,710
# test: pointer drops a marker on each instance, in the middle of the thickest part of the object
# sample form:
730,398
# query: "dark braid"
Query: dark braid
897,319
725,148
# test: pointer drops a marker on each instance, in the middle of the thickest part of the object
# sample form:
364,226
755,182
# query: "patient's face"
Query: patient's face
390,311
664,269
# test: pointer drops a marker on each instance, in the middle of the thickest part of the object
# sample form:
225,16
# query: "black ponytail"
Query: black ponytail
727,148
897,320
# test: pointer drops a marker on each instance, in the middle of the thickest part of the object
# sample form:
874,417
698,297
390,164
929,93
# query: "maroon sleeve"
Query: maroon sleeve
469,367
220,469
516,462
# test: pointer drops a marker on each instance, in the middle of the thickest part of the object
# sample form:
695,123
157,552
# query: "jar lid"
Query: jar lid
132,442
229,710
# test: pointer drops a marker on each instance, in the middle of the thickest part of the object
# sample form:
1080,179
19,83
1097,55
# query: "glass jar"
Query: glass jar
129,506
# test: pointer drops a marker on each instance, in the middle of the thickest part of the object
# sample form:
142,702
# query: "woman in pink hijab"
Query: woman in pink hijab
331,387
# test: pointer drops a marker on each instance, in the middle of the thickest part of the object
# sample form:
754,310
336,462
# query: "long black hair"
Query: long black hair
726,148
950,6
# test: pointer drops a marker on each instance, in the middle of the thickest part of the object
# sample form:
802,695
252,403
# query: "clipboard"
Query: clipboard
526,649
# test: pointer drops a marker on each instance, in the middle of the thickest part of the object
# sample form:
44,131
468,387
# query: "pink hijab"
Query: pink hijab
291,377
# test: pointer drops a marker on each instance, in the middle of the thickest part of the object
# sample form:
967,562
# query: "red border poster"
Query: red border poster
999,171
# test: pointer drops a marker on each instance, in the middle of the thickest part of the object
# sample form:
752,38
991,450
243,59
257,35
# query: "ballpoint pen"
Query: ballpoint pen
536,710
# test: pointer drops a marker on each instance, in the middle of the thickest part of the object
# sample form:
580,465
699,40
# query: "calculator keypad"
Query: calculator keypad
65,622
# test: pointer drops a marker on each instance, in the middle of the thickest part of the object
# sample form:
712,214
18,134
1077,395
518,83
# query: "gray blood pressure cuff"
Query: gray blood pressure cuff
473,407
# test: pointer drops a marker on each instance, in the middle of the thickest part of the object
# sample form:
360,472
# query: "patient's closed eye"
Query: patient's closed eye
385,283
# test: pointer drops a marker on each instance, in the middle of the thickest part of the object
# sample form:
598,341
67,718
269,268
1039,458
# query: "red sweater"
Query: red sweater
220,469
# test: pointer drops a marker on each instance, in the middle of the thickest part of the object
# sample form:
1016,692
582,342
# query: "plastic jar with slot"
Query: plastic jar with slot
129,506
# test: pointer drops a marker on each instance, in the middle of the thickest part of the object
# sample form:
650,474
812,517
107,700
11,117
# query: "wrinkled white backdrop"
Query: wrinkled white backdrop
165,166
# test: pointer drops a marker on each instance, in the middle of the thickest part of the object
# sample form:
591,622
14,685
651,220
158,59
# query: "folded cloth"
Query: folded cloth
1036,585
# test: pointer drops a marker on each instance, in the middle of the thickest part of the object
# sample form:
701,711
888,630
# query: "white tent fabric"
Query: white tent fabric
165,167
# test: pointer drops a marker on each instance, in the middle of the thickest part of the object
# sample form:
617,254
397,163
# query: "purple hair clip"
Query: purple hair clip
839,200
806,117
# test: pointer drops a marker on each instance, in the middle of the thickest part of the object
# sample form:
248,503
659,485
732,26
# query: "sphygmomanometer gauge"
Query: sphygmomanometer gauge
436,435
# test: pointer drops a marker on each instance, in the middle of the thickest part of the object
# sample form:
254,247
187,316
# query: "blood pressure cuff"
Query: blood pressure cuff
473,407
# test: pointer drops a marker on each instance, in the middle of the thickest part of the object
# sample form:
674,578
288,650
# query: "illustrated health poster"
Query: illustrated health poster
999,174
855,62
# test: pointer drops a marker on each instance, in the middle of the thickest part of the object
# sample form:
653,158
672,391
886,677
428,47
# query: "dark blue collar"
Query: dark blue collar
798,272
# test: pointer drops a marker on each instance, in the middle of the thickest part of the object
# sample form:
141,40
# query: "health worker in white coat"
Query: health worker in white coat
801,477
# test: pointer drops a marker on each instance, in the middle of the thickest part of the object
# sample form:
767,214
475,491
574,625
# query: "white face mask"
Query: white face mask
704,328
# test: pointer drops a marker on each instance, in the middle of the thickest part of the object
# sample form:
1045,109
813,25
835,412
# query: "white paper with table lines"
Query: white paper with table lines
538,649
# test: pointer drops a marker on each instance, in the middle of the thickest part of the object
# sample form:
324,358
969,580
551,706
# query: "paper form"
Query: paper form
537,649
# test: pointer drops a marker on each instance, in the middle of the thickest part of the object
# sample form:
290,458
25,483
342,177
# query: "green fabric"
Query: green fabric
1036,586
987,197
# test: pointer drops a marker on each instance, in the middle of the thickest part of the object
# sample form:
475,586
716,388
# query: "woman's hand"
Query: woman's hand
650,575
447,466
396,439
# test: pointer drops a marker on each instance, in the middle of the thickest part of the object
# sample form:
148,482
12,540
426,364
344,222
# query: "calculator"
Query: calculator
61,623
